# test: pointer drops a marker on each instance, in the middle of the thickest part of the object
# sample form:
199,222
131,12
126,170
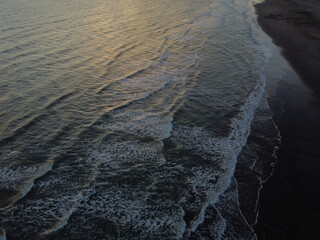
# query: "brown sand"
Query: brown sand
290,202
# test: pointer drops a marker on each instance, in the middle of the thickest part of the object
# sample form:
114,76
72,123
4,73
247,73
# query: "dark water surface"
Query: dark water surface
122,119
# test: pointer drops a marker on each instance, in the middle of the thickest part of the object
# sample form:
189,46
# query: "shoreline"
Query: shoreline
289,206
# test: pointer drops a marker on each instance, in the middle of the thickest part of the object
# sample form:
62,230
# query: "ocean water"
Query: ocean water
123,119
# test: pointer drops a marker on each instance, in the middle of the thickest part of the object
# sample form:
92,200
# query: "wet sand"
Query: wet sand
290,200
294,25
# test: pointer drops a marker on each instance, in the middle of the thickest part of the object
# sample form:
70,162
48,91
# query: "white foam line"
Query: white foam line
238,204
200,220
63,222
225,224
254,162
274,154
243,121
27,188
268,54
262,182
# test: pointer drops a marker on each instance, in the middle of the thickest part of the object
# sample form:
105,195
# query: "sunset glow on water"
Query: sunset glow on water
121,119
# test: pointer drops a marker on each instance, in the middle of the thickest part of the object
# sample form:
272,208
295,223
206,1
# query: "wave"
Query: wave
227,154
20,180
154,173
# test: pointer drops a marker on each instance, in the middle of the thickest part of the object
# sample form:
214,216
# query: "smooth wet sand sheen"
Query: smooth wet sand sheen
290,199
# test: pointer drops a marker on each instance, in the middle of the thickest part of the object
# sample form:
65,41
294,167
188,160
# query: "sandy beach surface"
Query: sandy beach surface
294,25
290,199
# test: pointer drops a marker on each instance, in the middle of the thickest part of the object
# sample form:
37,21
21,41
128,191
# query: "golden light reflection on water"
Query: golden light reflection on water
74,51
77,46
124,93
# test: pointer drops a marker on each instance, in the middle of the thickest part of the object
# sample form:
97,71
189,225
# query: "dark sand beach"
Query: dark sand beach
294,25
290,200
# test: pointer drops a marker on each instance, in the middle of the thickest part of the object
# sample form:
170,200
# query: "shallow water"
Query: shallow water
122,119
